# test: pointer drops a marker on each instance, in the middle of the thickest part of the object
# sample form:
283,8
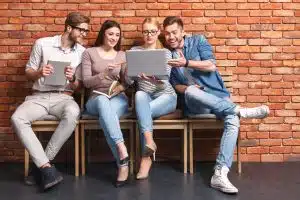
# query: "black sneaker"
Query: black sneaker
50,177
34,176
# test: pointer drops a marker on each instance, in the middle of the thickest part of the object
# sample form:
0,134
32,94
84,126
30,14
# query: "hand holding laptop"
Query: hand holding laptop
151,79
46,70
69,72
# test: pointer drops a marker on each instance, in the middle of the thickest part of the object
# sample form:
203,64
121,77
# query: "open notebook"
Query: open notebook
110,93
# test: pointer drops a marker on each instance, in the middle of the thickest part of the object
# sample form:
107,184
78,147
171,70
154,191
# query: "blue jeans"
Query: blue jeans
109,111
201,102
148,108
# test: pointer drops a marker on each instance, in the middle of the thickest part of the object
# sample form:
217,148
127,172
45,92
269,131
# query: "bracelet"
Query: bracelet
186,64
74,79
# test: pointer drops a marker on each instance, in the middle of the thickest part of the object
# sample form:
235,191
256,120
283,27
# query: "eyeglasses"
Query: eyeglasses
151,32
82,30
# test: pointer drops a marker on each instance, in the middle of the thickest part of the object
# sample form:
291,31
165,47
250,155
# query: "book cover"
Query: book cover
110,93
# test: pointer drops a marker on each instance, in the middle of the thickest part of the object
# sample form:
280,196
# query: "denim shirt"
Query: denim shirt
196,47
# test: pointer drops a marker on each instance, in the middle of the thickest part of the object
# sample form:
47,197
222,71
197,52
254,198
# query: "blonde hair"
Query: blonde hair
153,20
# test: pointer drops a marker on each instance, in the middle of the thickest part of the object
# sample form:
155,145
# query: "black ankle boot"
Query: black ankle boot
50,177
123,163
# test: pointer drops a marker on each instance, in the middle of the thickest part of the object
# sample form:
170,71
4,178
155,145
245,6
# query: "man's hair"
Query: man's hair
172,20
101,35
76,18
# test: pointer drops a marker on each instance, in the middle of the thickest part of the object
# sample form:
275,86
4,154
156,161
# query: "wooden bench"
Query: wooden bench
209,121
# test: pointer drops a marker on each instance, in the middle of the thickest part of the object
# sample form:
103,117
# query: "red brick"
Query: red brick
248,6
135,6
215,13
260,13
32,13
259,70
237,13
249,78
250,158
257,150
261,42
226,34
238,56
259,85
283,13
124,13
43,6
10,13
227,20
248,20
261,56
257,99
257,135
157,6
10,27
275,127
272,157
34,27
203,6
270,20
180,6
249,49
283,56
270,142
281,42
238,27
58,13
291,34
291,142
282,135
146,13
248,63
281,149
112,6
285,113
192,13
292,49
270,6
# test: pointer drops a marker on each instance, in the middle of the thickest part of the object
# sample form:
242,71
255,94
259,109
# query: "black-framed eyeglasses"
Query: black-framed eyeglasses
81,30
151,32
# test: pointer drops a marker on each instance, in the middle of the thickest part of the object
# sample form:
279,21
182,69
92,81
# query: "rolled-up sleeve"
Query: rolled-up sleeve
35,56
205,49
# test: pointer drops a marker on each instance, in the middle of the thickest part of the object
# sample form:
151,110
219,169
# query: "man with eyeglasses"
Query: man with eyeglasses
46,100
195,77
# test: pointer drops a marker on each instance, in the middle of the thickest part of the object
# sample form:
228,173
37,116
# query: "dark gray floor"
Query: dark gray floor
259,181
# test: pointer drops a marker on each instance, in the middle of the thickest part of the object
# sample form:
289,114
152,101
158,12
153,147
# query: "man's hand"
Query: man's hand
46,70
179,62
69,73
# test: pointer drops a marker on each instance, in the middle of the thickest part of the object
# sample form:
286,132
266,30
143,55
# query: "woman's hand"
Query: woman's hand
151,79
117,90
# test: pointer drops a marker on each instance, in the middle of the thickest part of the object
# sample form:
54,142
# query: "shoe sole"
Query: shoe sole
148,151
223,190
50,185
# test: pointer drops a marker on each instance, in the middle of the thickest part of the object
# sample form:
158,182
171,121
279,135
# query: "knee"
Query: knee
190,91
102,102
140,96
72,111
18,120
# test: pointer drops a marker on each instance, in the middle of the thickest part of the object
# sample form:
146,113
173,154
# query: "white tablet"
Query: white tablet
149,62
58,77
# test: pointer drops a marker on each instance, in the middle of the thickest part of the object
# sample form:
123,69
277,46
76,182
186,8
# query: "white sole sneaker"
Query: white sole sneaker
225,190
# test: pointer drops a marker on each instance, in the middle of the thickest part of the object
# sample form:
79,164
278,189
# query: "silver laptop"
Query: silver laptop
58,77
149,62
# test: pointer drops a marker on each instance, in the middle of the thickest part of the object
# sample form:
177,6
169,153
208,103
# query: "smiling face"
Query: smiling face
174,35
150,33
111,37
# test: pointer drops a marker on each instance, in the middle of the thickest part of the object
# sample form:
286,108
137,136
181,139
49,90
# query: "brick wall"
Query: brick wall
257,39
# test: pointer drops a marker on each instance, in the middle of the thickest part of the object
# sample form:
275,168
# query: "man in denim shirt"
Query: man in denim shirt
194,75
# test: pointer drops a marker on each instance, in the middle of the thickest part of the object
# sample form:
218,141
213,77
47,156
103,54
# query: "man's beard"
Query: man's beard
75,39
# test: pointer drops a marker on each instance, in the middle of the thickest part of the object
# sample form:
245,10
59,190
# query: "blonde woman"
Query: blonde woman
153,99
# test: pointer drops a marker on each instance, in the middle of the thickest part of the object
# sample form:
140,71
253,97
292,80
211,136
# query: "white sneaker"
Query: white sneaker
220,181
256,112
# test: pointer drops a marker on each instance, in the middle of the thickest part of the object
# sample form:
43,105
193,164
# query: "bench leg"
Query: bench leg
131,143
82,149
138,147
191,149
77,150
239,155
26,163
185,150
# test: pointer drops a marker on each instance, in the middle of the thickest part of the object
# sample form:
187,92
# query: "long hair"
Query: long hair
107,25
153,20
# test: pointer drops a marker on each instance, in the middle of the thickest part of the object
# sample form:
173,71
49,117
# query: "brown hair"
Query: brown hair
172,20
107,25
76,18
152,20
